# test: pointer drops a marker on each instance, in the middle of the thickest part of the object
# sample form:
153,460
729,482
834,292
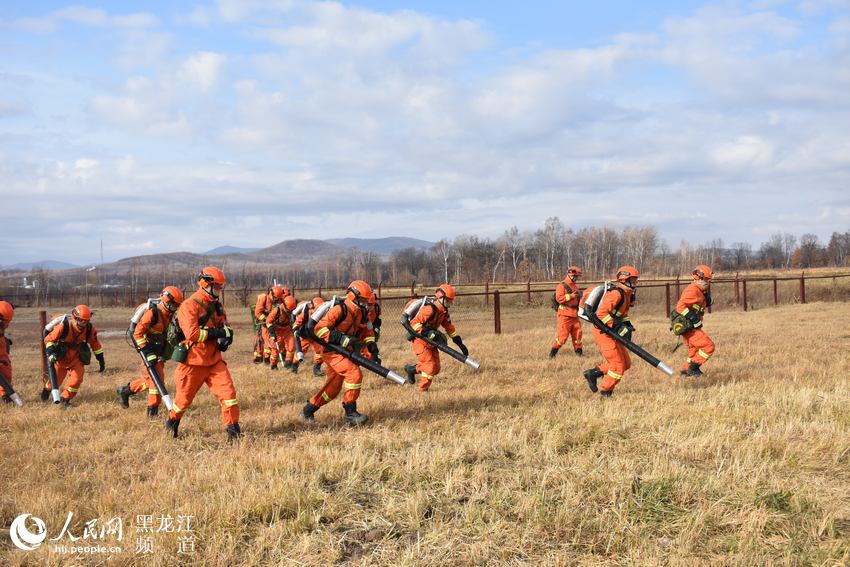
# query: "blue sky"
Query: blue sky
163,126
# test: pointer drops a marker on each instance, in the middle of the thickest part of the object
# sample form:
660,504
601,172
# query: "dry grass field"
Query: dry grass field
516,464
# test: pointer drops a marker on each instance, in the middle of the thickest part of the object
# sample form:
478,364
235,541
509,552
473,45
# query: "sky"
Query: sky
160,126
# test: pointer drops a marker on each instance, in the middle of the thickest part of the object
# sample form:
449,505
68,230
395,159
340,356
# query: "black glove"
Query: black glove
149,352
709,301
101,362
693,317
457,340
343,340
625,330
434,335
373,352
8,345
225,333
52,355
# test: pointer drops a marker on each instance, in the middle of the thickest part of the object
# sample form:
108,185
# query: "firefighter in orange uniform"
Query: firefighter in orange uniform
67,345
302,314
149,336
279,325
427,321
567,296
6,314
264,304
691,306
613,311
344,323
203,323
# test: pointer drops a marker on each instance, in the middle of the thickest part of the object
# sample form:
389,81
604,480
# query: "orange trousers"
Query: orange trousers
5,371
307,344
568,327
700,346
146,383
285,343
74,370
429,362
617,360
263,343
188,379
342,373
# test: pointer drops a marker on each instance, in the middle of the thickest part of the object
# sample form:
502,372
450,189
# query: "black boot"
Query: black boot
411,373
258,359
124,394
6,399
693,370
287,364
592,375
317,369
171,426
65,404
553,352
153,411
307,412
233,433
579,352
45,395
352,416
606,393
295,366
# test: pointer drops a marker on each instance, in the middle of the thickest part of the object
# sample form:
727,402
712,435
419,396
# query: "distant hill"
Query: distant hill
294,251
386,245
43,264
222,250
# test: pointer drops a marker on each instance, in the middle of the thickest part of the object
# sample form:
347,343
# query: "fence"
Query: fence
512,307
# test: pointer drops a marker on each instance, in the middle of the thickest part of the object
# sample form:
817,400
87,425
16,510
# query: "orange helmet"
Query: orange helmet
171,297
360,293
277,292
81,314
211,278
445,290
574,271
6,311
703,272
286,290
317,301
625,275
289,303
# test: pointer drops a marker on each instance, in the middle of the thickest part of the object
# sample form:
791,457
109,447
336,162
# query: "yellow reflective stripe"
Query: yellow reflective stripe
417,326
368,340
98,351
685,311
617,313
75,390
176,408
453,335
614,375
428,376
703,354
606,318
326,397
230,403
262,317
49,344
142,342
322,332
153,391
202,336
349,386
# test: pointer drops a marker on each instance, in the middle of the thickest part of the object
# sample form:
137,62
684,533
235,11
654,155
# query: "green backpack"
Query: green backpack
174,334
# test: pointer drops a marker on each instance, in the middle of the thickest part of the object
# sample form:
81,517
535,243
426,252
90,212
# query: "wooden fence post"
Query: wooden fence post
497,313
667,297
775,292
737,290
413,289
486,293
803,287
528,292
42,321
379,292
745,294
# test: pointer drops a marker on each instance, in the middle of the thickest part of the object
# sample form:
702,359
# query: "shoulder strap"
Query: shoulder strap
66,328
209,311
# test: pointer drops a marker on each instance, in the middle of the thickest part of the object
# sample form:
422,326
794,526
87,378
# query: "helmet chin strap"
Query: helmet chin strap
210,293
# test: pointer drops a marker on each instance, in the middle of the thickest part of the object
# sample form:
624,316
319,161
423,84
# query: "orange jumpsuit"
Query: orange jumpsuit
70,364
613,309
279,329
306,344
204,364
261,311
342,373
5,361
700,346
567,296
432,315
150,331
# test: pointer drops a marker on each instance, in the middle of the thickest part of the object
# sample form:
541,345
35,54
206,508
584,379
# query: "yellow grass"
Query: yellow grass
517,464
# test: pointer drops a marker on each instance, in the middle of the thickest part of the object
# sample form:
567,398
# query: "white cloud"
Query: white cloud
201,69
746,151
